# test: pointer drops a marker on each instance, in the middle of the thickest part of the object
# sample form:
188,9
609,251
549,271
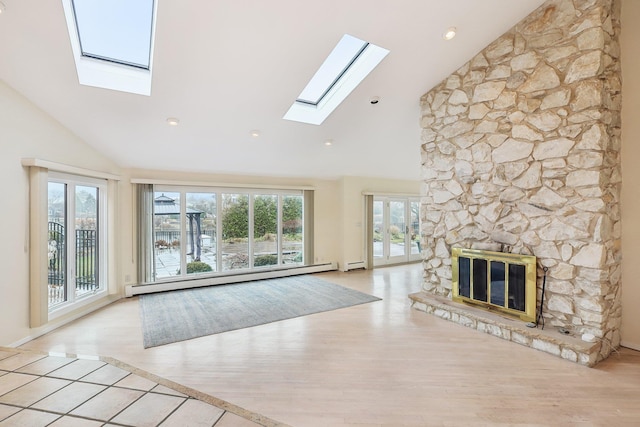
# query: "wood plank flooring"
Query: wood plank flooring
377,364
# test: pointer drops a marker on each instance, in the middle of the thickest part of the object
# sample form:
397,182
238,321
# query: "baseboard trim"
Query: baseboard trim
133,290
632,346
63,320
355,265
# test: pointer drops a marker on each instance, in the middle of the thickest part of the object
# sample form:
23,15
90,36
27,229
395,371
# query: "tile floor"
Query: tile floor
38,389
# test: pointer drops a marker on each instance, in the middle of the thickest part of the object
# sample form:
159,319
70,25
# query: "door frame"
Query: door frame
411,230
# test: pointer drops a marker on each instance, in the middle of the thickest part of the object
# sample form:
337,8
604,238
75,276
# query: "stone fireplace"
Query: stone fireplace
521,155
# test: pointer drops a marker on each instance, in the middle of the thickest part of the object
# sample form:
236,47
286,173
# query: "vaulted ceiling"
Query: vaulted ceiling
227,67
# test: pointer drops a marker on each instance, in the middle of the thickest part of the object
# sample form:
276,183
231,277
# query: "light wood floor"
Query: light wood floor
377,364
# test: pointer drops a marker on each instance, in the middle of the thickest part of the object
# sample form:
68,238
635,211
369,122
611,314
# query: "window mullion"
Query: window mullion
279,229
71,243
218,236
183,233
250,220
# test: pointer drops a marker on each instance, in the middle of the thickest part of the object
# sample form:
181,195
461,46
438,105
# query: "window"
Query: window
346,66
112,43
345,53
76,244
69,254
207,231
117,31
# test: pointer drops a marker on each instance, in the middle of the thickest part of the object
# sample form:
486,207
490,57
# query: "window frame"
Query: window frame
364,63
106,74
38,171
251,193
71,182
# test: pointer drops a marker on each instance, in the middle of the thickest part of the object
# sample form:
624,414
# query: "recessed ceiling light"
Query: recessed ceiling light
374,100
255,133
328,142
172,121
450,33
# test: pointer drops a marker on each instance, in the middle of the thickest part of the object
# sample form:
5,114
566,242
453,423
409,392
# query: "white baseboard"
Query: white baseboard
632,346
354,265
132,290
61,321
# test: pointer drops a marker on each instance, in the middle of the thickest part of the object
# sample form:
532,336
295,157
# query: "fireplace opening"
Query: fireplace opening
495,280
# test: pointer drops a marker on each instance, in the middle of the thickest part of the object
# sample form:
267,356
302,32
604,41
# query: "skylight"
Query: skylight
115,30
338,61
346,66
112,42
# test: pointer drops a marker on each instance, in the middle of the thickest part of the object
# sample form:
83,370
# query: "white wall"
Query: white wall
25,131
28,132
630,203
353,225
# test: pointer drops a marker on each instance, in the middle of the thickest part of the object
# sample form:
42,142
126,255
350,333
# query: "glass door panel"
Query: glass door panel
200,228
378,231
265,230
86,236
397,231
235,231
292,221
57,244
167,234
414,215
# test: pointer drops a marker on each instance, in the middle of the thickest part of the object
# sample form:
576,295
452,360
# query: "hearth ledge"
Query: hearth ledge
549,340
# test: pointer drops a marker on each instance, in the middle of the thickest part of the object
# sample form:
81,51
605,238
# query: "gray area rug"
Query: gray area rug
181,315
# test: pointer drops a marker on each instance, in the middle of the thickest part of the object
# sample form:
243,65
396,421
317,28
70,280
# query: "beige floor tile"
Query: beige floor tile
69,397
45,365
107,404
136,382
149,410
19,360
67,421
6,411
232,420
108,375
29,418
30,393
12,381
194,413
166,390
77,369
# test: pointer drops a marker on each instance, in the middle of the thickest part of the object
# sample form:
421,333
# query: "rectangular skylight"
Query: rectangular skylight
346,66
112,42
338,61
116,30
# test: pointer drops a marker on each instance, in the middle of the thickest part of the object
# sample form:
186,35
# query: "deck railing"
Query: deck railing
85,267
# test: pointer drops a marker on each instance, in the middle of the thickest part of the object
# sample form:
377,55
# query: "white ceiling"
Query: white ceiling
226,67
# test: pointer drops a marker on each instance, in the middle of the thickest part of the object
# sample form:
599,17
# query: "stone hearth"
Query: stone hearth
521,154
547,339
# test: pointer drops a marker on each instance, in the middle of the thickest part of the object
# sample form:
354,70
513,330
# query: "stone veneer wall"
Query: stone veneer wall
521,153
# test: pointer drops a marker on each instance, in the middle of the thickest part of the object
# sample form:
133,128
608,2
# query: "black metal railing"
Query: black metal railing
86,266
86,261
56,254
